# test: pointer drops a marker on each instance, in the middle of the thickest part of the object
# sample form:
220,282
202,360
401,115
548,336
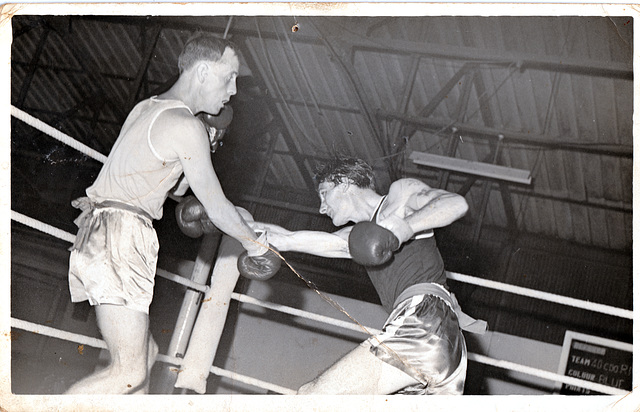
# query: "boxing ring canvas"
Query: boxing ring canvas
536,259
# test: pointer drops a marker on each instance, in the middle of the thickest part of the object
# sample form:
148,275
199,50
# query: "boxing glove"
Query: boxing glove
261,267
192,218
371,244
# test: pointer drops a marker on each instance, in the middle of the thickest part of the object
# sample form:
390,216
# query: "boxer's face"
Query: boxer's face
335,202
220,81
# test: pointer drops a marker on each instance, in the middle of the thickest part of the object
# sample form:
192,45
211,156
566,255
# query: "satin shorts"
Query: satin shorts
422,338
116,262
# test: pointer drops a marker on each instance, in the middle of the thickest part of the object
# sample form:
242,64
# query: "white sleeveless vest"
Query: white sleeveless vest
134,173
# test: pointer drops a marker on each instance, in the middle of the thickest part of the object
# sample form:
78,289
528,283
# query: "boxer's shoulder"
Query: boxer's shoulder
402,193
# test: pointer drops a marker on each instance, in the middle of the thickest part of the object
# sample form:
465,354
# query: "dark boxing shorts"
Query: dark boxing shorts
422,337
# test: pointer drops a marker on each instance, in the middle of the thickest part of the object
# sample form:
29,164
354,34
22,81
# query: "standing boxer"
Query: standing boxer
421,349
113,260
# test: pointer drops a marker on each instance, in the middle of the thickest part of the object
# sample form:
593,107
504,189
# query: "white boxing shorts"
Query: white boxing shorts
114,258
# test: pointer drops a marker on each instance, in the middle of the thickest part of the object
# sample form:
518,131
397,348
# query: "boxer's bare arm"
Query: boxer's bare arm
182,187
423,207
177,134
325,244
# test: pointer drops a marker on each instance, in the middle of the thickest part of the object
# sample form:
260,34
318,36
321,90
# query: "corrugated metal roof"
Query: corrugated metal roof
328,85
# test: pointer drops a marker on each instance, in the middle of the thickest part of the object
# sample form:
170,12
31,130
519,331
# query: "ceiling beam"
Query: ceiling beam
342,51
293,102
486,192
562,64
529,139
437,99
486,113
523,61
69,70
398,142
32,67
79,52
622,207
254,61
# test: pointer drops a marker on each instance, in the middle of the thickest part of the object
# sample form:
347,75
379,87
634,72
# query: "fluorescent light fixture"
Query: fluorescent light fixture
473,168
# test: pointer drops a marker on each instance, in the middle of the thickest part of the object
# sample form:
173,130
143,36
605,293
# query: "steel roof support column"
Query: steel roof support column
398,143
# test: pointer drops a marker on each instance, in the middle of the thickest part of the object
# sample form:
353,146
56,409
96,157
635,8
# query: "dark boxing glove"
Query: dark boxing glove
260,267
371,244
192,218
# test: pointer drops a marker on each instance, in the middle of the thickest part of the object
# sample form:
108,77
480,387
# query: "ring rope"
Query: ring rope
56,134
183,281
61,234
38,124
540,373
98,343
551,297
43,227
57,333
94,342
46,330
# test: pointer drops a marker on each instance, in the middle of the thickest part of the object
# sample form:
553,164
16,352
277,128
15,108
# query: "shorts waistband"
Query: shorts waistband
123,206
434,289
87,206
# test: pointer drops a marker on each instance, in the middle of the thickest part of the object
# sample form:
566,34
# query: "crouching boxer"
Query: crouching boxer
421,349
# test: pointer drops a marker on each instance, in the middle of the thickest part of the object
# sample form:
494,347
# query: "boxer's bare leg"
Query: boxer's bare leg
126,333
358,372
151,360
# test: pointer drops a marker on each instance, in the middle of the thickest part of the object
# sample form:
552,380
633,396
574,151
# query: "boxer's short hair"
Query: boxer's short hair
342,169
202,46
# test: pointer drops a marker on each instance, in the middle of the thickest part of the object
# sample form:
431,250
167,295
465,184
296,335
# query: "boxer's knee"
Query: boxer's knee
134,372
308,388
152,353
153,350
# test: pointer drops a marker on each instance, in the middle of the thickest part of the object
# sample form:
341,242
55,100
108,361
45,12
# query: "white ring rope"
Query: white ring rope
56,134
97,343
57,333
550,297
540,373
61,234
594,307
183,281
42,227
48,331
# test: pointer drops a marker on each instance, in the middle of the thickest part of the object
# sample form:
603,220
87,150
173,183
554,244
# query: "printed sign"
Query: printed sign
591,358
